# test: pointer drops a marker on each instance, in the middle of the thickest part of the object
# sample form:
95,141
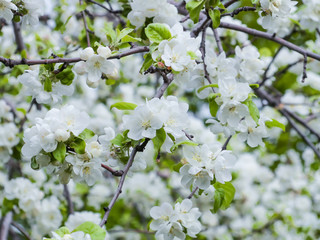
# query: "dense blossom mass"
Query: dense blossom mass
134,119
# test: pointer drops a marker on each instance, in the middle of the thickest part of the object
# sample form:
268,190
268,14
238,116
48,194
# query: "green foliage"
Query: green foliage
66,76
157,32
78,144
146,63
8,205
62,231
253,110
194,8
86,134
213,106
207,86
215,17
94,230
175,146
60,152
124,106
158,141
223,195
275,123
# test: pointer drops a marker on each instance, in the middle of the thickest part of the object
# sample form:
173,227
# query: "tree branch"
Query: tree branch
11,63
270,37
21,229
85,25
5,225
18,36
66,194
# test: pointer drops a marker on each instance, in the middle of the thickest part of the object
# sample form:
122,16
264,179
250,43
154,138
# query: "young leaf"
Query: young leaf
79,145
158,141
218,200
124,106
207,86
47,85
275,123
86,134
147,63
175,146
215,17
94,230
224,194
157,32
62,231
60,152
254,111
124,32
194,7
66,76
118,140
213,106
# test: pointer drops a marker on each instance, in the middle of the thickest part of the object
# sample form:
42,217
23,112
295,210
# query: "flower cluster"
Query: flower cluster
159,10
8,132
95,65
172,223
37,208
76,151
204,164
275,12
178,53
35,83
146,119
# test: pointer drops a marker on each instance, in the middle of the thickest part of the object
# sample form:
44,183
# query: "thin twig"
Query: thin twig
227,4
193,192
137,148
5,226
270,37
104,7
276,103
130,230
112,171
85,25
67,195
218,40
239,10
264,77
24,119
18,36
11,63
21,229
304,75
224,147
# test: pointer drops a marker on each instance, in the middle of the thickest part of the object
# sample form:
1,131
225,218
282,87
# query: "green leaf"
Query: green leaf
34,164
60,152
62,231
66,76
157,32
158,141
147,63
79,145
275,123
63,28
124,106
47,85
8,205
175,146
254,111
223,196
218,199
23,53
129,38
124,32
118,140
213,106
94,230
22,110
207,86
215,17
81,7
110,33
194,8
86,134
